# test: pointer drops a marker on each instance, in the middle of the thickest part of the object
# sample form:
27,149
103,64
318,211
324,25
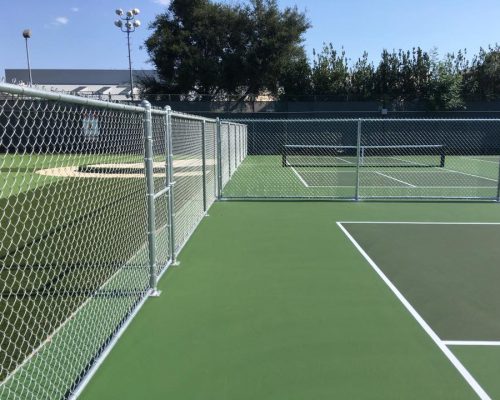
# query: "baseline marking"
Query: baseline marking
442,346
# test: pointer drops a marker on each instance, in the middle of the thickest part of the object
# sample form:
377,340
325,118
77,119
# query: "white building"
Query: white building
113,84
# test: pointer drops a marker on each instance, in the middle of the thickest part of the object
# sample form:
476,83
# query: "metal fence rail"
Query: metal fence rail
97,200
356,159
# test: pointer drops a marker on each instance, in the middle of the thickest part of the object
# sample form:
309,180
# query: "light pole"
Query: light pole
128,24
26,36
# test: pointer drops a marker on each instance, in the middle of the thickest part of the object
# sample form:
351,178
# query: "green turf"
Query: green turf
18,172
272,301
463,176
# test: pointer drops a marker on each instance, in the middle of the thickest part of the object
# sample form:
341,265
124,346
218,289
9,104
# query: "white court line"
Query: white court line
394,179
470,343
298,176
416,187
451,170
478,159
418,223
465,173
446,351
439,169
346,161
405,171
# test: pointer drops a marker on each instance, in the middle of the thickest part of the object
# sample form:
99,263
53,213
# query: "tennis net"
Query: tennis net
369,156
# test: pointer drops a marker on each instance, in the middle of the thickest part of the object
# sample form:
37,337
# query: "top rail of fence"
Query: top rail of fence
67,98
233,122
178,114
293,120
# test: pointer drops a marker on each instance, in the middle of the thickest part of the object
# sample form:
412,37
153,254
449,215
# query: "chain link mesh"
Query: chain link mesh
187,150
368,158
211,162
72,253
81,242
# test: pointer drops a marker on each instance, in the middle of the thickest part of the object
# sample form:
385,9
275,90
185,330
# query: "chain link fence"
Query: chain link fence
97,200
356,159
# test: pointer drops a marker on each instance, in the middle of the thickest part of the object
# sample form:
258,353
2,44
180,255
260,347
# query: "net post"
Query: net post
358,158
204,165
443,157
219,158
150,194
171,183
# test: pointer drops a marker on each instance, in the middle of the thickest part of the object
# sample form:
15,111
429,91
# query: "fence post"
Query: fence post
235,148
229,147
498,185
358,158
204,165
171,183
219,159
215,159
150,195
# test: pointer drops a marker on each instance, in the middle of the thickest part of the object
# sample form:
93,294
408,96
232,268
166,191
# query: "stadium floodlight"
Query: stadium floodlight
26,36
128,24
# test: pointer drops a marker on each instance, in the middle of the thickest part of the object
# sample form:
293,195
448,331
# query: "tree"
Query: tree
330,72
362,79
295,81
445,86
199,46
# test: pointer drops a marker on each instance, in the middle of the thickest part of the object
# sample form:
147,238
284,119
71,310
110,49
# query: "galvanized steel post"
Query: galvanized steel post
219,159
171,182
498,184
358,158
150,195
204,165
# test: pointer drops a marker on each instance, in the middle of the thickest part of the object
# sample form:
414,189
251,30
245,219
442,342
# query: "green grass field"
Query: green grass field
274,301
73,254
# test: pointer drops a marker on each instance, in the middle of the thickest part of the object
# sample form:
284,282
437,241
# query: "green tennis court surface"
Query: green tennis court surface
286,301
410,176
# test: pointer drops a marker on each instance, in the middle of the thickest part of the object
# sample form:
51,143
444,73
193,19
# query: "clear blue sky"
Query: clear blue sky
81,34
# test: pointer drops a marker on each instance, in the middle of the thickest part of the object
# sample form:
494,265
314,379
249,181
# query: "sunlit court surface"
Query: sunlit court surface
312,300
250,200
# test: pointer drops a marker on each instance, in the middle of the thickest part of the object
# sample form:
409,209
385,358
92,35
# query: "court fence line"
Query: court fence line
97,200
367,159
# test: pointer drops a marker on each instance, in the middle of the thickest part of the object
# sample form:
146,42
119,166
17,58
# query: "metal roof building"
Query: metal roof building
99,83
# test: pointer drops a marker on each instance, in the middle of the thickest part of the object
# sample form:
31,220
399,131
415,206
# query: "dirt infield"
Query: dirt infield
98,170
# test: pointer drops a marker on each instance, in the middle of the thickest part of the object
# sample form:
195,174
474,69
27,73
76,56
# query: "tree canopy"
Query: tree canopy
203,47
